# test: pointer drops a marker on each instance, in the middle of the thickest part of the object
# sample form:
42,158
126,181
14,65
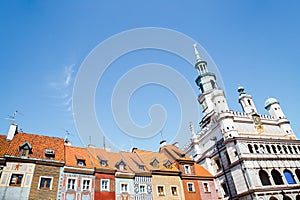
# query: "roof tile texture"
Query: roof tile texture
39,144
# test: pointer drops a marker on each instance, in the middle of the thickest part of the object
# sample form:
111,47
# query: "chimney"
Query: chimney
67,142
163,143
108,149
13,129
133,149
176,144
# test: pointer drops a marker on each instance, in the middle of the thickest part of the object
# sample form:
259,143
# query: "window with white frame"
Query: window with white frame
124,187
206,187
16,180
187,169
45,182
161,190
71,183
174,190
191,187
142,188
104,184
86,184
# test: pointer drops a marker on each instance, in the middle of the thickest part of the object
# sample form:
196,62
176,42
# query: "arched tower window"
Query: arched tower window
295,149
256,148
285,149
201,87
298,197
290,149
264,177
289,177
273,198
286,198
277,177
249,102
250,148
213,84
279,149
274,149
268,149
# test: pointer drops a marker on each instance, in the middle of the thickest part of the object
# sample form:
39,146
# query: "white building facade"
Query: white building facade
252,156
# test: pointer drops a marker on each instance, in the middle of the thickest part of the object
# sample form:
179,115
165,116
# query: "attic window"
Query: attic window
155,163
25,149
120,165
103,163
81,162
168,164
49,153
141,167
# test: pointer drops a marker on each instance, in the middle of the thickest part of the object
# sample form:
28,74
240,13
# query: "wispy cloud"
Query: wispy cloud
63,88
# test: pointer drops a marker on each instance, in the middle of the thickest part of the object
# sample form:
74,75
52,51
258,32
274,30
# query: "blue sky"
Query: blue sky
43,44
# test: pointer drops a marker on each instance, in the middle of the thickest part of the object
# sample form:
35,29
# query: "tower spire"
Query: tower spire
197,53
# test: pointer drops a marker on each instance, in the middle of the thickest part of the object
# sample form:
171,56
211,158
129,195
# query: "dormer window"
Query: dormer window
168,164
49,153
103,163
25,149
187,169
141,168
81,162
120,165
25,152
155,163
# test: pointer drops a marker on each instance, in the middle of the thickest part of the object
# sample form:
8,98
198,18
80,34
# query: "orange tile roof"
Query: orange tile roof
134,162
201,171
148,157
175,152
97,154
73,153
112,158
4,144
39,144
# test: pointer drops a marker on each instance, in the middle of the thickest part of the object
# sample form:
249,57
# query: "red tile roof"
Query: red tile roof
39,144
73,154
4,144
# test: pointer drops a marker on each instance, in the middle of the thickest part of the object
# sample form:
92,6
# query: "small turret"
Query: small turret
273,106
246,101
197,150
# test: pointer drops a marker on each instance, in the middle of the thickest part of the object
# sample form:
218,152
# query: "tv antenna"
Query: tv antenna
161,134
67,135
13,116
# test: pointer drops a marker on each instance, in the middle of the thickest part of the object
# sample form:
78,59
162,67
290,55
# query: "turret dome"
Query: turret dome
270,101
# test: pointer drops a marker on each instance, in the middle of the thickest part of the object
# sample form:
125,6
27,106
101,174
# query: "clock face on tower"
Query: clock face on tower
256,119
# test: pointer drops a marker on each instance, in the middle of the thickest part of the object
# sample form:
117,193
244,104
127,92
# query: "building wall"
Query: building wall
121,195
167,182
147,181
211,194
191,195
64,193
16,192
107,195
44,171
